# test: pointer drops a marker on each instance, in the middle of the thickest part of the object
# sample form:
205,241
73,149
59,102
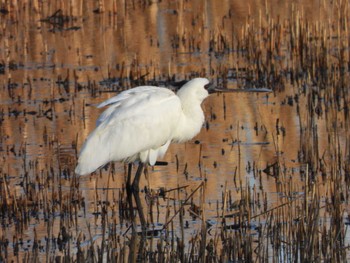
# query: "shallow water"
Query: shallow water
55,72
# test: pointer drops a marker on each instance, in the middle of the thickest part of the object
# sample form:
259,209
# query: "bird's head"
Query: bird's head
195,89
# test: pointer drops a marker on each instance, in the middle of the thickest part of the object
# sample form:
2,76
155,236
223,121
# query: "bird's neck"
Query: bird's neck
190,122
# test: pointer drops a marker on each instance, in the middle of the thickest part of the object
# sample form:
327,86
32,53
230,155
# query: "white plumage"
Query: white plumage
140,124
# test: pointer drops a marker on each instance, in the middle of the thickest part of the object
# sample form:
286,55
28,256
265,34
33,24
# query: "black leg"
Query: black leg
136,182
135,191
128,181
129,194
140,210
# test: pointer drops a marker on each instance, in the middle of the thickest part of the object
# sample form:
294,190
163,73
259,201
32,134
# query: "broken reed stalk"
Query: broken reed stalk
315,63
182,205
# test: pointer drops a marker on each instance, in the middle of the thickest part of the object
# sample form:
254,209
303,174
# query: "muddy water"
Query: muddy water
56,68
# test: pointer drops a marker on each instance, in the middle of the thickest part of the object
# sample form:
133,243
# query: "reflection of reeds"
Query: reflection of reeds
309,60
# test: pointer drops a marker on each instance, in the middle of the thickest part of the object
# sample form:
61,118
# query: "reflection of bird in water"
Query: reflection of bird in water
140,124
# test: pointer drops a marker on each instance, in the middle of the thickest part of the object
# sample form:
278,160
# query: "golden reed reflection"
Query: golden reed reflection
60,59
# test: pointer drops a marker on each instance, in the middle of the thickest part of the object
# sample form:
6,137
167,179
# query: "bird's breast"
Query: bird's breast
189,125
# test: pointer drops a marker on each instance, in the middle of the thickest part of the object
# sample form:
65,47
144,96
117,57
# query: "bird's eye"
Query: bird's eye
210,87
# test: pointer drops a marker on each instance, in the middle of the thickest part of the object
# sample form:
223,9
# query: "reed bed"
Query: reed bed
45,211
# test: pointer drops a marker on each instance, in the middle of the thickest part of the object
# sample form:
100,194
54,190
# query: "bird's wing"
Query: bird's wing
134,123
128,97
127,94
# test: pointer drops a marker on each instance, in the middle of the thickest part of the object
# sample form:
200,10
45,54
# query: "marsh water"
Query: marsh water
266,178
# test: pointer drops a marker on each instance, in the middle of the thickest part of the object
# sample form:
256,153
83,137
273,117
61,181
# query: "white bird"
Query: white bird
140,124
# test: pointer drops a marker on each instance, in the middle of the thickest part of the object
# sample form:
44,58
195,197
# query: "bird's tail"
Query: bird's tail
92,155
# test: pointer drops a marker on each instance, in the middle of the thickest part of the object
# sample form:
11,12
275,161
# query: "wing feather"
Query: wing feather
129,98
